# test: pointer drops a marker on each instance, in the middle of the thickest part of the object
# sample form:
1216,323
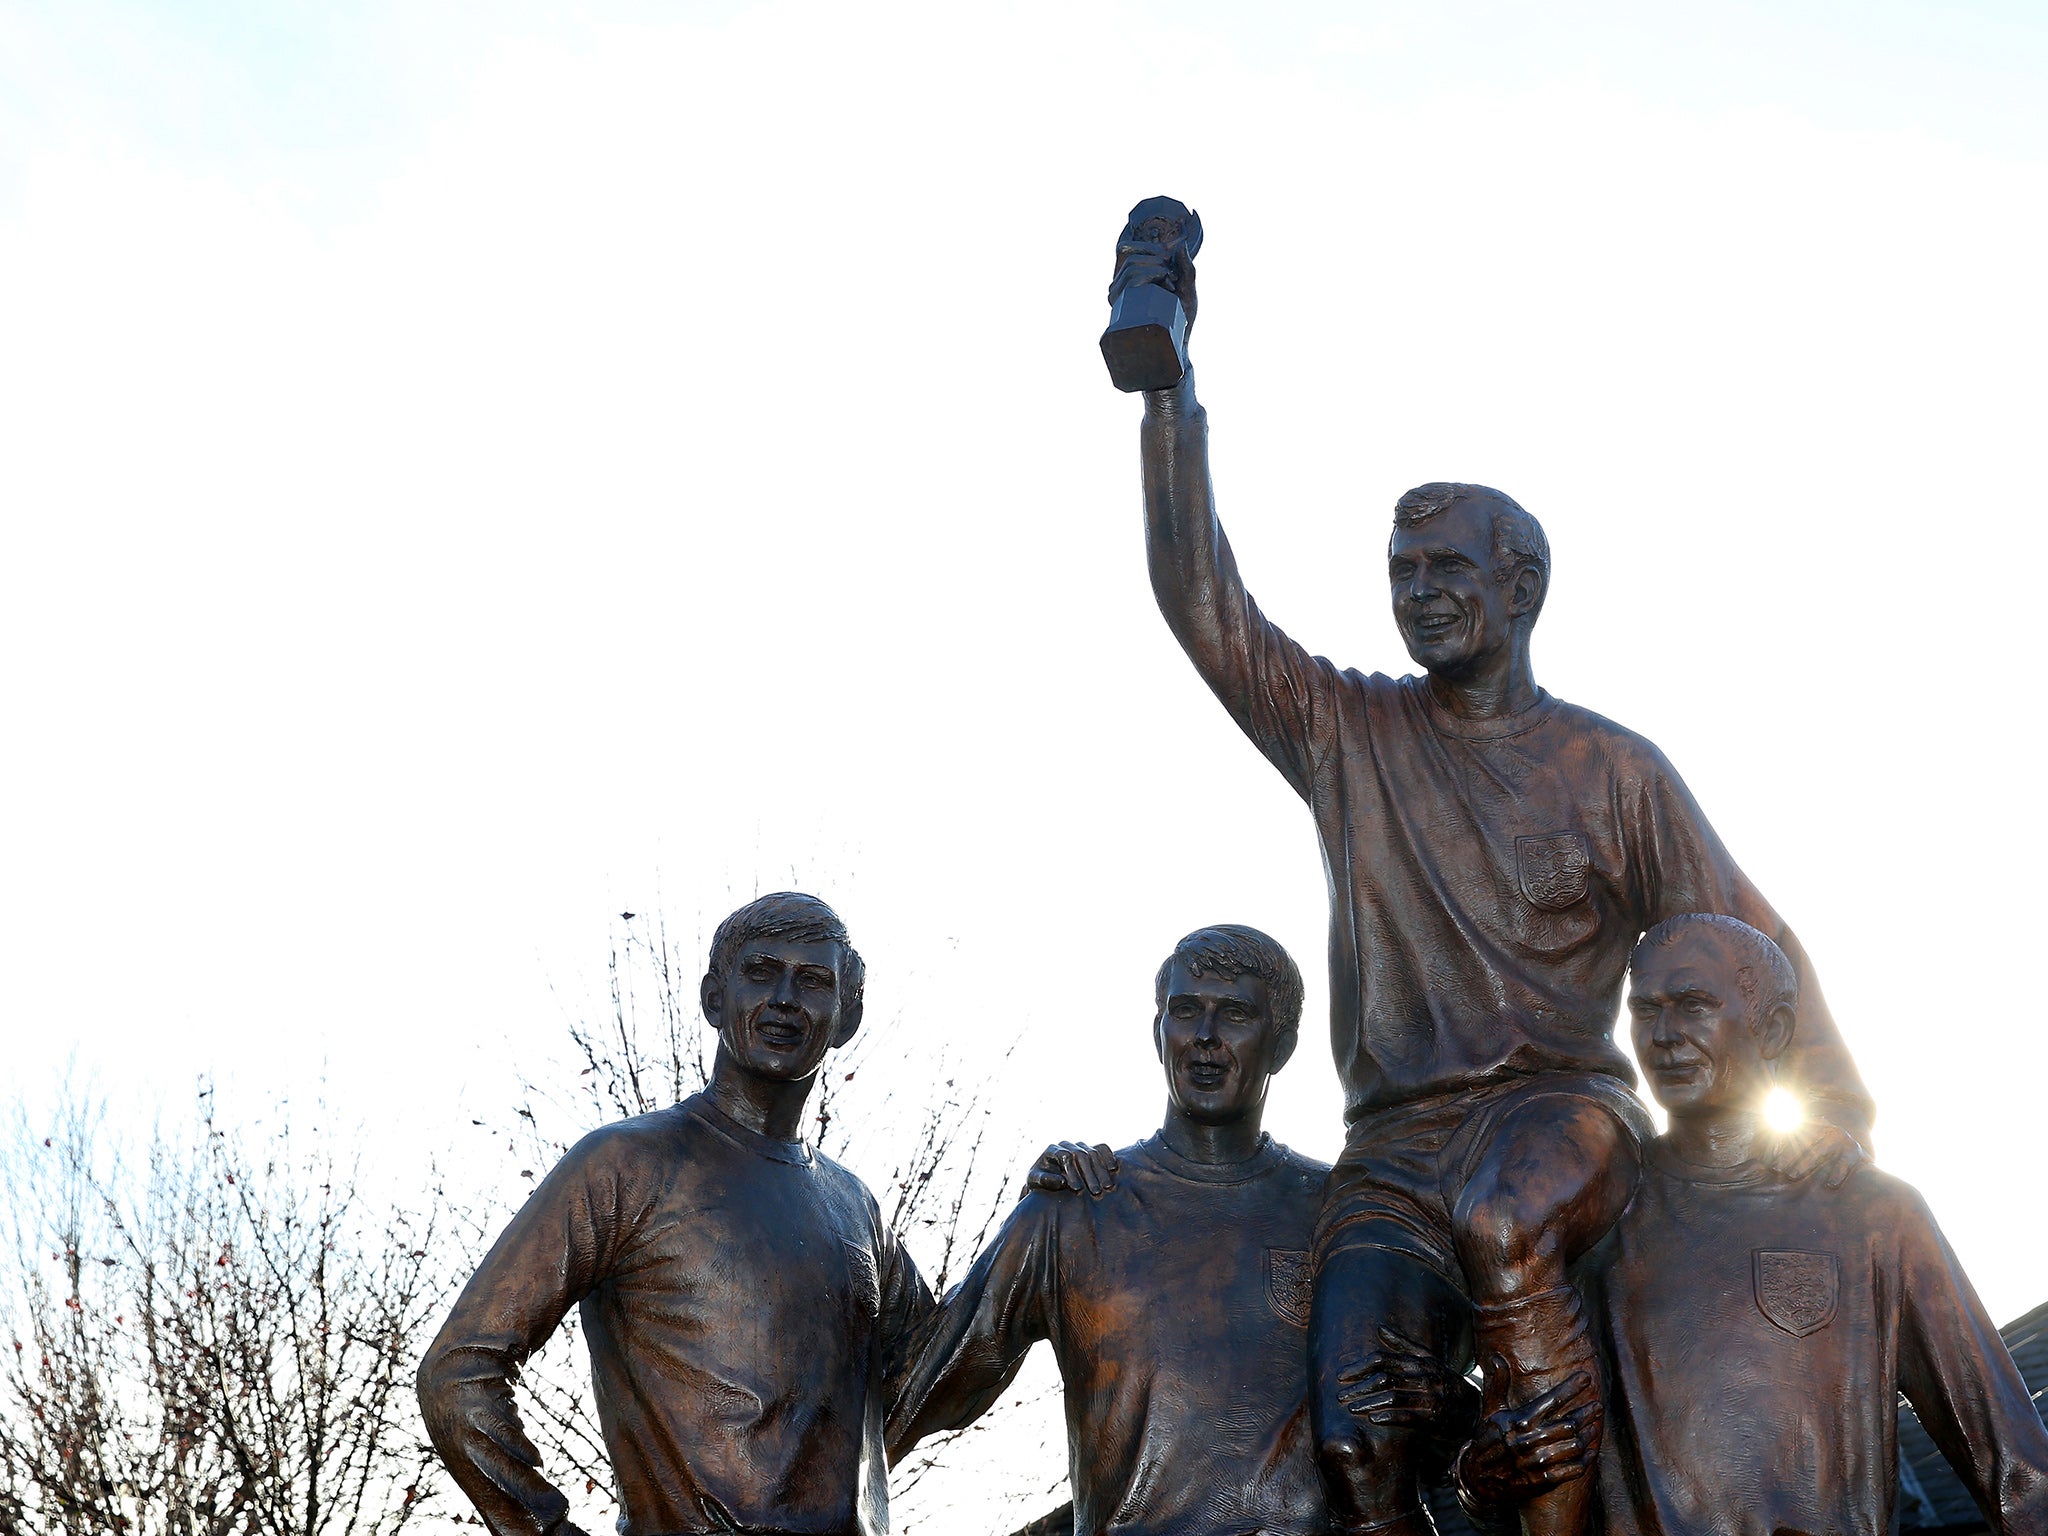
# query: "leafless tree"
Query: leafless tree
219,1339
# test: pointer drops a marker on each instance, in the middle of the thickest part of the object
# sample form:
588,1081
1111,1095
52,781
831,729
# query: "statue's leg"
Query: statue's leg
1549,1176
1370,1471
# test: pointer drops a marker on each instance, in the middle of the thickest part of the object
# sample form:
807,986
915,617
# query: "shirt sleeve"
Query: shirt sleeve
1280,695
969,1349
1681,867
1959,1377
907,1304
565,1239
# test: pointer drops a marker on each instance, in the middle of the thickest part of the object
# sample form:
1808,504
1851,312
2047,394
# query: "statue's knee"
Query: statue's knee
1505,1249
1361,1458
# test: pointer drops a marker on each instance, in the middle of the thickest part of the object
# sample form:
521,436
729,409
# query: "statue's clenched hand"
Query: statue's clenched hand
1074,1166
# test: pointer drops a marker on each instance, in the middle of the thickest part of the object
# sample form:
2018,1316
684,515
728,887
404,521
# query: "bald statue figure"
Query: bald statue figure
1492,854
1758,1331
741,1296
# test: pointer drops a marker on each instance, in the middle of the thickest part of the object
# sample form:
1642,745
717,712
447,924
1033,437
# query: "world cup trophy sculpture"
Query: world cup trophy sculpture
1146,345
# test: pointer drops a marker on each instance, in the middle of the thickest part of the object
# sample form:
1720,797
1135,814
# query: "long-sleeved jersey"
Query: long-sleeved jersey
1177,1306
1758,1334
740,1296
1488,878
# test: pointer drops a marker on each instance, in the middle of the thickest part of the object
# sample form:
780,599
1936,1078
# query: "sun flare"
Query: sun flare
1782,1110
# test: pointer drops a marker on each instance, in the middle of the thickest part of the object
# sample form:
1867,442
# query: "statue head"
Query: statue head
783,986
1229,1012
1467,569
1711,1004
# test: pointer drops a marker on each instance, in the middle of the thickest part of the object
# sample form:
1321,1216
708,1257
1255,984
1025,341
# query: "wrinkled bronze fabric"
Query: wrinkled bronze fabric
1177,1305
740,1297
1758,1333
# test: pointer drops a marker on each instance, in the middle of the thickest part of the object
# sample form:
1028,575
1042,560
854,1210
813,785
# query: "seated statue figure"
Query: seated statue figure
1177,1299
740,1293
1757,1331
1492,854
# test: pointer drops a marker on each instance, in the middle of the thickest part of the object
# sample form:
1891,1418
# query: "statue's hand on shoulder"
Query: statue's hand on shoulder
1817,1147
1519,1452
1074,1167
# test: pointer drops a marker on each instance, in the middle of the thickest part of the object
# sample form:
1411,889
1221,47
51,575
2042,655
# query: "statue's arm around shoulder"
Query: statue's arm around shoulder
967,1352
562,1242
1276,691
1685,867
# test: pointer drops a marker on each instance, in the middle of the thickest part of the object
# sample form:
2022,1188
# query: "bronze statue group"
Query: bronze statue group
1699,1333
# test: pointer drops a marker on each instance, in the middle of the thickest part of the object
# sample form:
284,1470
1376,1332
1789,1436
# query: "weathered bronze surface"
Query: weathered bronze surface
739,1292
1177,1302
1757,1330
1493,856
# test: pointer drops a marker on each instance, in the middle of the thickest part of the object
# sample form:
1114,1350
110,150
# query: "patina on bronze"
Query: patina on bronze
1145,345
1493,855
1177,1302
740,1294
1757,1330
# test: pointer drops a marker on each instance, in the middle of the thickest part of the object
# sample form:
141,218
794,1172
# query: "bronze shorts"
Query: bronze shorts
1405,1166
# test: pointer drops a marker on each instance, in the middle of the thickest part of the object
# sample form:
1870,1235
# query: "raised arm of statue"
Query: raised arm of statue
1278,693
556,1249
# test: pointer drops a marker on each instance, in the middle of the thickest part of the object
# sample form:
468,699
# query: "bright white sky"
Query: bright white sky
469,472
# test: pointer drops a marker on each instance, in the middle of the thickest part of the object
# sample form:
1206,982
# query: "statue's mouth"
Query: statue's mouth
1208,1074
779,1032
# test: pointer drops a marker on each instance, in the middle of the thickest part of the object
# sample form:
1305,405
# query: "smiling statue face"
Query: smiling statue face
1694,1029
778,1012
1452,612
1218,1042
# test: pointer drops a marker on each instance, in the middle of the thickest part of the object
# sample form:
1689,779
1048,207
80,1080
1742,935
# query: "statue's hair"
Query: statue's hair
1231,950
1518,539
1765,974
788,915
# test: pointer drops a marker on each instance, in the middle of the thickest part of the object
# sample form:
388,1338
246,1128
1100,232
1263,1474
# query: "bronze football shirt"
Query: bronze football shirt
1177,1306
740,1297
1488,879
1758,1334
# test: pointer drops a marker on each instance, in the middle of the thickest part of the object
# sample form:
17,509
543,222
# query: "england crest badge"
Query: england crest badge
1553,869
1797,1291
1290,1283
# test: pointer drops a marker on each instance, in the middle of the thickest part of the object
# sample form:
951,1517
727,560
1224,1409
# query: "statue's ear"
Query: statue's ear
711,998
1774,1035
1283,1048
1159,1035
1527,593
850,1013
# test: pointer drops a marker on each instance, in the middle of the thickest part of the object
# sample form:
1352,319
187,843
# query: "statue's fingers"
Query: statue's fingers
1851,1158
1559,1398
1090,1174
1070,1166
